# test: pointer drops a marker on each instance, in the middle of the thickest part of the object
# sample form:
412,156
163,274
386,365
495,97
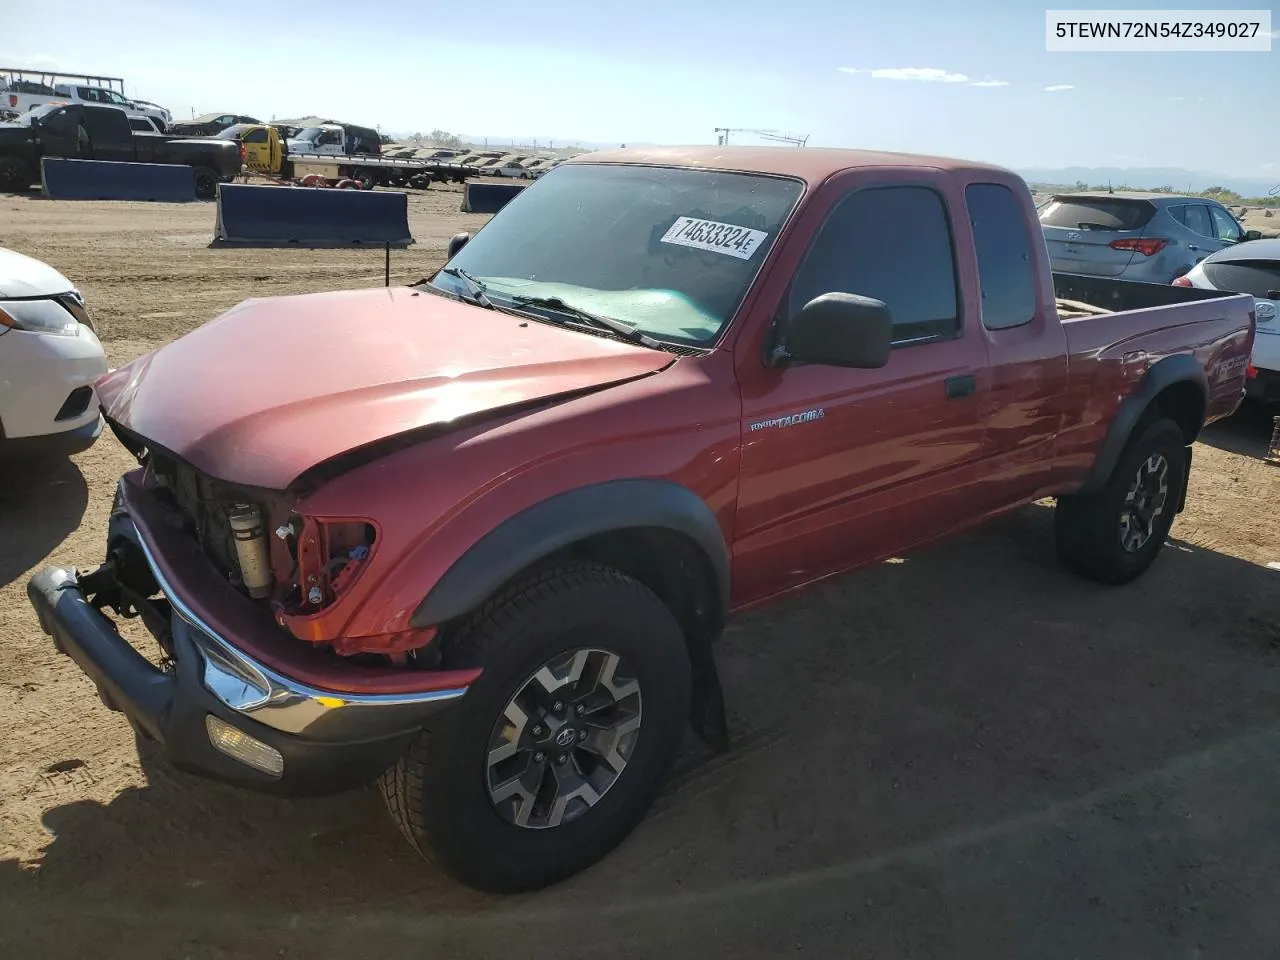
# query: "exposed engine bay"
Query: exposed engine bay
295,567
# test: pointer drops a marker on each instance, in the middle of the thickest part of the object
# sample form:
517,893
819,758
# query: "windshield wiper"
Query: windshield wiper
474,286
608,323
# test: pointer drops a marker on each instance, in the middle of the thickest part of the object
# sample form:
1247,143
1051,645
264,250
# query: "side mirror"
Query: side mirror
1253,235
840,330
457,242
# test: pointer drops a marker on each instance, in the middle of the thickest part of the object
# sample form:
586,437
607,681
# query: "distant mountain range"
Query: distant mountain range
1151,177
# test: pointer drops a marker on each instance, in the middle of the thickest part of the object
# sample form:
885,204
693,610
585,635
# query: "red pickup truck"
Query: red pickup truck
474,538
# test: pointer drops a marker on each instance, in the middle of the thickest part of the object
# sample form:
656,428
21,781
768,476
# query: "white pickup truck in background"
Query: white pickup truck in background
22,89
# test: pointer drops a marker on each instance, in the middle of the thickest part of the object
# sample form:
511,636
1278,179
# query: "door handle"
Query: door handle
961,386
1192,246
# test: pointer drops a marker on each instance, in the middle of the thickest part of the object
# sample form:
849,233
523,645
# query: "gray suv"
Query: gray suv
1153,237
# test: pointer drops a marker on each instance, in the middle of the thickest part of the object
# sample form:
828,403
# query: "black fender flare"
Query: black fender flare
563,519
552,524
1179,368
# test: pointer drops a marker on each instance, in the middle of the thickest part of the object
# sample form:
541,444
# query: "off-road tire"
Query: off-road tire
206,183
437,791
1087,528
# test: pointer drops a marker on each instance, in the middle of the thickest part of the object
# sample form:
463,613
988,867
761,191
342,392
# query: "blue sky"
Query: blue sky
669,71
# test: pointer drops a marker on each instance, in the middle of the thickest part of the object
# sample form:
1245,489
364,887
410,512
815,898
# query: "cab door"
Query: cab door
257,150
842,466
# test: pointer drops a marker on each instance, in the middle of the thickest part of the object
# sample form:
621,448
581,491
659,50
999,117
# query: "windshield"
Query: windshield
670,251
308,133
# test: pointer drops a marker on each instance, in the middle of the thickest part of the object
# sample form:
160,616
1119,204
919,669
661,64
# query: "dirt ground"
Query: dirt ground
969,753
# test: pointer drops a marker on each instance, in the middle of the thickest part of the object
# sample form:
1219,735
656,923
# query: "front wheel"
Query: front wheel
14,174
558,749
1113,536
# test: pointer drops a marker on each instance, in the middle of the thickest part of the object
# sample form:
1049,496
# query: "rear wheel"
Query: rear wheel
1113,536
206,183
557,750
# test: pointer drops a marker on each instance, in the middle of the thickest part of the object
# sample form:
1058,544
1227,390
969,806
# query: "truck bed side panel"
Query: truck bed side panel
1109,355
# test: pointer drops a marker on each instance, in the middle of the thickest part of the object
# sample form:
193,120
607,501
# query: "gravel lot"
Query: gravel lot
965,754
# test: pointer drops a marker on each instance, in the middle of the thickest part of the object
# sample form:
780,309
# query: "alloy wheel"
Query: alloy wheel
563,739
1144,503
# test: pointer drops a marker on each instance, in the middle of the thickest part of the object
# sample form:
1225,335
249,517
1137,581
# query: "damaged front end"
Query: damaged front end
297,568
228,694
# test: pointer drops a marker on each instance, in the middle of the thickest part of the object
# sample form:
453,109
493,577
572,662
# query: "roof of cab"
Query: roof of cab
811,164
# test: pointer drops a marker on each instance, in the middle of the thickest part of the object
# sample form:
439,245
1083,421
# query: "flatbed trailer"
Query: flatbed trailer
372,171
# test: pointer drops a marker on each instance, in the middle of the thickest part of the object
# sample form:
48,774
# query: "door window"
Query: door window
1004,256
892,244
1225,227
1195,217
256,136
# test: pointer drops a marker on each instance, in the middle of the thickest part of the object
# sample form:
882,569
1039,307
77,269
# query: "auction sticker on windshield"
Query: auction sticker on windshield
740,242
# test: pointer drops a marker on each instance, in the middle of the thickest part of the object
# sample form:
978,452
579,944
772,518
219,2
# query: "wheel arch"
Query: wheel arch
600,520
1175,387
657,531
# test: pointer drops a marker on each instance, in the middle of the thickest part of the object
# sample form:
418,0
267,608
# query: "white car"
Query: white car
50,359
1252,267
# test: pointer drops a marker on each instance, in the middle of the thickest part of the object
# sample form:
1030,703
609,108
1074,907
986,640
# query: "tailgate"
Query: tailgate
1081,233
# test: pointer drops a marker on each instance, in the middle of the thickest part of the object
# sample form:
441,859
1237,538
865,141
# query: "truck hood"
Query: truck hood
275,386
21,276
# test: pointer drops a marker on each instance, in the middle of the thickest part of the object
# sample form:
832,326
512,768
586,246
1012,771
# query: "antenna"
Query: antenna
722,135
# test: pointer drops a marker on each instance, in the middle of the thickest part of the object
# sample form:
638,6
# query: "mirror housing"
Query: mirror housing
1253,235
457,242
839,330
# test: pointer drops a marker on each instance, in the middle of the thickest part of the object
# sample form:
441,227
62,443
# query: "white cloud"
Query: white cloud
927,74
989,83
1059,86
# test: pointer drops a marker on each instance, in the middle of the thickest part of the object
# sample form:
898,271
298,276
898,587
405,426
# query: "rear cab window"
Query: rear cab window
894,244
1097,213
107,124
1003,244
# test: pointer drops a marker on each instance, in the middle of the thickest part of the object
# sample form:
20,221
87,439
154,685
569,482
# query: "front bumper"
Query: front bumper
46,382
328,740
50,446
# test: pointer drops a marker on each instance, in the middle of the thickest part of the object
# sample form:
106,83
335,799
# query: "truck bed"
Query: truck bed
1116,330
1107,295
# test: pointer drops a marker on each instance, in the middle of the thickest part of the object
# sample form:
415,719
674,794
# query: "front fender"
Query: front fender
566,518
